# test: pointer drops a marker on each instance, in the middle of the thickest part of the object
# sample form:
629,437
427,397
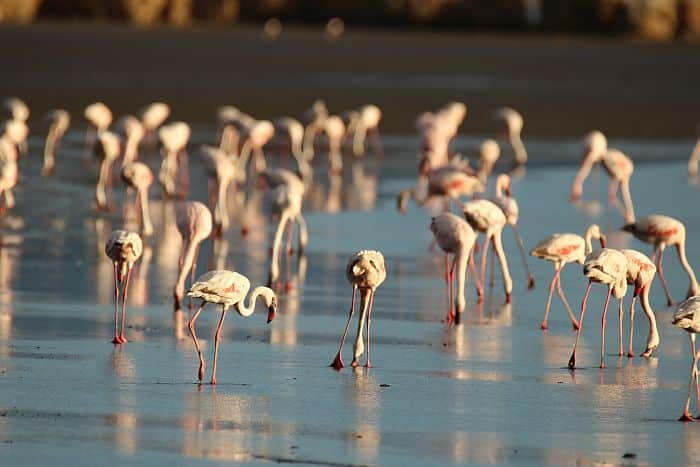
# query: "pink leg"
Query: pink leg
612,191
448,285
560,292
472,266
190,325
217,337
620,352
543,325
630,353
116,306
338,362
369,319
660,267
193,272
492,267
122,339
602,329
572,359
484,254
693,374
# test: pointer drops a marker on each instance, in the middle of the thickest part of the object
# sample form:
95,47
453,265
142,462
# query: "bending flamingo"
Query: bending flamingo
662,231
620,167
8,172
510,124
314,120
694,159
448,183
294,131
174,137
594,146
687,317
152,117
133,132
367,122
58,121
107,152
226,288
138,176
365,271
607,267
257,136
286,203
99,118
489,152
455,236
123,249
195,225
640,274
221,171
335,130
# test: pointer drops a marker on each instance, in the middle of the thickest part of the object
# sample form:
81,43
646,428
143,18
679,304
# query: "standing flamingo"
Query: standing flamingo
229,135
58,122
286,203
662,231
138,176
8,172
226,288
133,132
259,134
294,131
99,118
194,222
694,159
222,171
365,271
455,236
608,267
447,182
124,249
620,167
174,138
108,151
687,317
562,248
485,216
152,117
17,110
509,124
594,146
17,132
640,274
314,120
367,122
335,130
489,152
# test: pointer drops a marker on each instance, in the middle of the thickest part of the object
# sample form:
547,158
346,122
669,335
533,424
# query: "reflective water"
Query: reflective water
493,390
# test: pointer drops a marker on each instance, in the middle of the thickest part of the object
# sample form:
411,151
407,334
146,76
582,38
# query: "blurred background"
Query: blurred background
654,19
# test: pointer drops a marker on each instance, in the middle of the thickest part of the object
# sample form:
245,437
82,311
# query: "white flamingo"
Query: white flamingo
138,176
58,121
108,152
194,222
687,317
133,132
123,249
640,274
174,138
99,118
510,125
222,171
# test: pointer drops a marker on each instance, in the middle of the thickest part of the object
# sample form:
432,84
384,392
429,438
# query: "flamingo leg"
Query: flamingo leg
630,353
337,363
572,359
116,306
612,191
448,285
217,338
472,266
484,254
619,318
693,373
122,339
190,326
193,272
492,268
602,328
560,292
543,325
523,256
290,231
369,319
664,284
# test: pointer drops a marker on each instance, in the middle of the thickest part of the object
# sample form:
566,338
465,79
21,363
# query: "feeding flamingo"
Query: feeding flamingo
455,236
447,182
640,274
314,120
174,138
226,288
133,132
562,248
194,222
17,110
687,317
489,152
8,172
367,122
662,231
152,117
222,171
99,118
257,136
294,131
594,146
138,176
229,135
123,249
608,267
107,152
619,167
334,128
509,123
694,159
487,217
58,121
365,271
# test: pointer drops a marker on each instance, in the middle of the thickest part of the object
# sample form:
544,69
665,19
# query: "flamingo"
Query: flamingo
152,117
366,122
640,274
455,236
485,216
365,271
18,110
662,231
220,169
58,122
489,152
99,118
194,222
314,120
447,182
108,151
335,130
608,267
694,159
258,135
229,135
620,167
8,172
123,249
687,317
594,146
509,123
133,132
294,131
562,248
174,137
138,176
226,288
17,132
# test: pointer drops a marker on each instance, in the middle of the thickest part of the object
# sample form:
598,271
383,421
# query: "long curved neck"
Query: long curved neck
693,288
187,262
130,149
519,149
588,161
462,259
589,245
247,310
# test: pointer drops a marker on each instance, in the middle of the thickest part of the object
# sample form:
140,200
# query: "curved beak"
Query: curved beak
602,241
507,191
271,312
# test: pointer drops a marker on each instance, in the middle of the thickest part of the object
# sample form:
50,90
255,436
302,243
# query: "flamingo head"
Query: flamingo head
272,309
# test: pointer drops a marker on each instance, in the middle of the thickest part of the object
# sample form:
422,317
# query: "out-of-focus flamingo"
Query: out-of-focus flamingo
562,248
694,159
123,249
447,183
687,317
509,124
58,121
226,288
99,118
152,117
8,172
640,274
489,152
367,122
107,152
455,236
365,271
485,216
594,147
334,128
620,167
608,267
194,222
16,109
133,132
138,176
257,136
314,120
662,231
17,131
293,130
221,171
174,138
229,135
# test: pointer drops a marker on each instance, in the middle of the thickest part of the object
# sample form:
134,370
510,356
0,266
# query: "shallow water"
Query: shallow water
492,390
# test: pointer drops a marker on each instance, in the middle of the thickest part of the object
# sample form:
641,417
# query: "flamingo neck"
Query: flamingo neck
247,310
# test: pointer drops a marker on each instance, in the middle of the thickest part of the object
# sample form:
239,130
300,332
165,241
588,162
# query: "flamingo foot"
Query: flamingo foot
450,318
648,352
213,381
575,325
368,364
355,363
572,361
685,417
244,231
531,283
543,326
602,365
115,340
508,298
122,340
630,354
201,371
337,363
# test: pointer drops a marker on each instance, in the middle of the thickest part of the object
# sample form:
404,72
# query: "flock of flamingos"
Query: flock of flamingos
238,162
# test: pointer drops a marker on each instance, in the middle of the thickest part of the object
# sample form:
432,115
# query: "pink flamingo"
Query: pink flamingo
510,124
447,182
99,118
229,135
608,267
365,271
123,249
485,216
8,172
138,176
594,146
640,274
133,132
314,120
174,138
368,118
226,288
108,152
687,317
293,130
222,171
17,110
620,167
489,152
334,128
58,121
194,223
694,159
662,231
17,132
259,134
286,203
455,236
562,248
152,117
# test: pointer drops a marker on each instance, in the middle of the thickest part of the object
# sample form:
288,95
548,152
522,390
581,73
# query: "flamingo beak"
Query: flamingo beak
602,241
507,190
271,312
